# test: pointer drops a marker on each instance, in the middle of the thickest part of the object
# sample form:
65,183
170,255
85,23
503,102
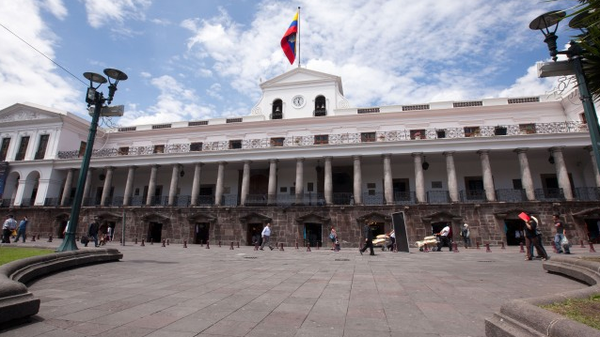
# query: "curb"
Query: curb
16,302
524,317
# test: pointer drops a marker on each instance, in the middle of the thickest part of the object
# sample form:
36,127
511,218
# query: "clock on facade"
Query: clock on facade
298,101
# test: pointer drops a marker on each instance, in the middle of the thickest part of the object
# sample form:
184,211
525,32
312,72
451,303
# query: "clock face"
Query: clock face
298,101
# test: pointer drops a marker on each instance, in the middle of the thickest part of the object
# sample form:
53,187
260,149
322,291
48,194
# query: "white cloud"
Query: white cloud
115,13
25,74
529,85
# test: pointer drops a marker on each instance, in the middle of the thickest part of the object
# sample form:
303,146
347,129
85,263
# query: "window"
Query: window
436,184
500,131
4,150
517,184
22,148
417,134
277,112
320,109
235,144
527,128
195,147
321,139
123,151
367,137
159,148
277,141
471,131
310,187
41,151
82,147
283,189
441,133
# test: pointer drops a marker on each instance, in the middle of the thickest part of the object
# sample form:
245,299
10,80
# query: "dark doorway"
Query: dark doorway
401,189
593,229
201,232
253,234
154,232
514,232
343,184
377,228
62,225
313,234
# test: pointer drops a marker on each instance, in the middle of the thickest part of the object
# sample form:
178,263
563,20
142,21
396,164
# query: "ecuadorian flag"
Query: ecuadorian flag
288,42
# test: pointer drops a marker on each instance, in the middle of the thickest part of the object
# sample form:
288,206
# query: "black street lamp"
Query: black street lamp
573,66
96,99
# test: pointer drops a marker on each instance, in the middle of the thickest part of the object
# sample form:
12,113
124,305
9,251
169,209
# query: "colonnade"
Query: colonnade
488,183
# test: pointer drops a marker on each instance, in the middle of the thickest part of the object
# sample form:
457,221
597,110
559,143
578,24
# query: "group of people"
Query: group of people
10,228
533,237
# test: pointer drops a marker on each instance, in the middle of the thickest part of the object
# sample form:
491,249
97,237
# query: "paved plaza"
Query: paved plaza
178,292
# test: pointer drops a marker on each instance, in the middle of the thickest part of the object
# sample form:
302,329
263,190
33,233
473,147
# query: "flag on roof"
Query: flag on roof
288,42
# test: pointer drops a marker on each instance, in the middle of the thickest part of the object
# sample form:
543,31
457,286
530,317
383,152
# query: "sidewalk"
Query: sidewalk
174,291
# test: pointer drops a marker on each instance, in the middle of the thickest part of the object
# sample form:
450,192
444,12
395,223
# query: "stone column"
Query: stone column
299,181
595,172
357,181
196,184
245,183
451,171
107,185
561,172
272,187
174,183
526,179
152,184
129,185
67,189
87,186
220,182
388,188
328,182
486,169
419,179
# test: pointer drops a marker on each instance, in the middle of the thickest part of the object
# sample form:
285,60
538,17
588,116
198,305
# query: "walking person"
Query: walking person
532,239
266,235
560,235
7,227
466,235
21,229
368,234
392,236
93,231
333,238
444,236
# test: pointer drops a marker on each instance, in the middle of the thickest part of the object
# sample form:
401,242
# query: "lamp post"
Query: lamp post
96,99
573,66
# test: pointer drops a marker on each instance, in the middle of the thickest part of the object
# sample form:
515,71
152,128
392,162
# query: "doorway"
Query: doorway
593,229
437,227
154,232
313,234
62,226
201,232
253,232
514,232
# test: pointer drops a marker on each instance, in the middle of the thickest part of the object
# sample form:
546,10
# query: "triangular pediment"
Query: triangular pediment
312,217
28,112
302,76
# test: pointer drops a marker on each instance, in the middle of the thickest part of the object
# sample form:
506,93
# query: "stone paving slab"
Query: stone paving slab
174,291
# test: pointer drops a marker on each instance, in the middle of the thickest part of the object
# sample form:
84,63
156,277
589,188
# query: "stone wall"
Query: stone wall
230,223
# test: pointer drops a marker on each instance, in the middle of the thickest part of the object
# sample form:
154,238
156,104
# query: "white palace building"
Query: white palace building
306,160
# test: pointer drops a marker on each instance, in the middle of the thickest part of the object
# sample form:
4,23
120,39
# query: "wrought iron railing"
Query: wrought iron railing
472,195
549,194
587,193
438,197
336,139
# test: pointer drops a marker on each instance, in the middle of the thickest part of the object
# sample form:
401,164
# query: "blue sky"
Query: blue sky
193,60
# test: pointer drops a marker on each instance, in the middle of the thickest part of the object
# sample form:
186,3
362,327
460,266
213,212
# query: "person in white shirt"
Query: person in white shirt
266,234
444,238
9,225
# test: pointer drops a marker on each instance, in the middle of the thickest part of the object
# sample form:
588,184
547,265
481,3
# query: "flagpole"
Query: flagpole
298,37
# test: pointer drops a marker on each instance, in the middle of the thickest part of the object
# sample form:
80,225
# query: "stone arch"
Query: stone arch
10,188
30,189
60,224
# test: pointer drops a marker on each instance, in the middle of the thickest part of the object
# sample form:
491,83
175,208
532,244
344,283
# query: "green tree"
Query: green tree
587,16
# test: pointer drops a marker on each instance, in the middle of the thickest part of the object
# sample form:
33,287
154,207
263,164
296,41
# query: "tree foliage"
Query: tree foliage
589,40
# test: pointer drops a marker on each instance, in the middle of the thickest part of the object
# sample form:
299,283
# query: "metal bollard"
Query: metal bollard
151,241
592,250
502,245
487,248
184,243
477,243
308,247
426,248
207,244
136,241
33,238
163,242
296,244
231,246
219,243
256,246
395,248
50,238
522,250
454,247
142,244
167,242
238,244
281,246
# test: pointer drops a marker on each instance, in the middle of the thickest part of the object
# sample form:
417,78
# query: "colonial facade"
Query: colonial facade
306,160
